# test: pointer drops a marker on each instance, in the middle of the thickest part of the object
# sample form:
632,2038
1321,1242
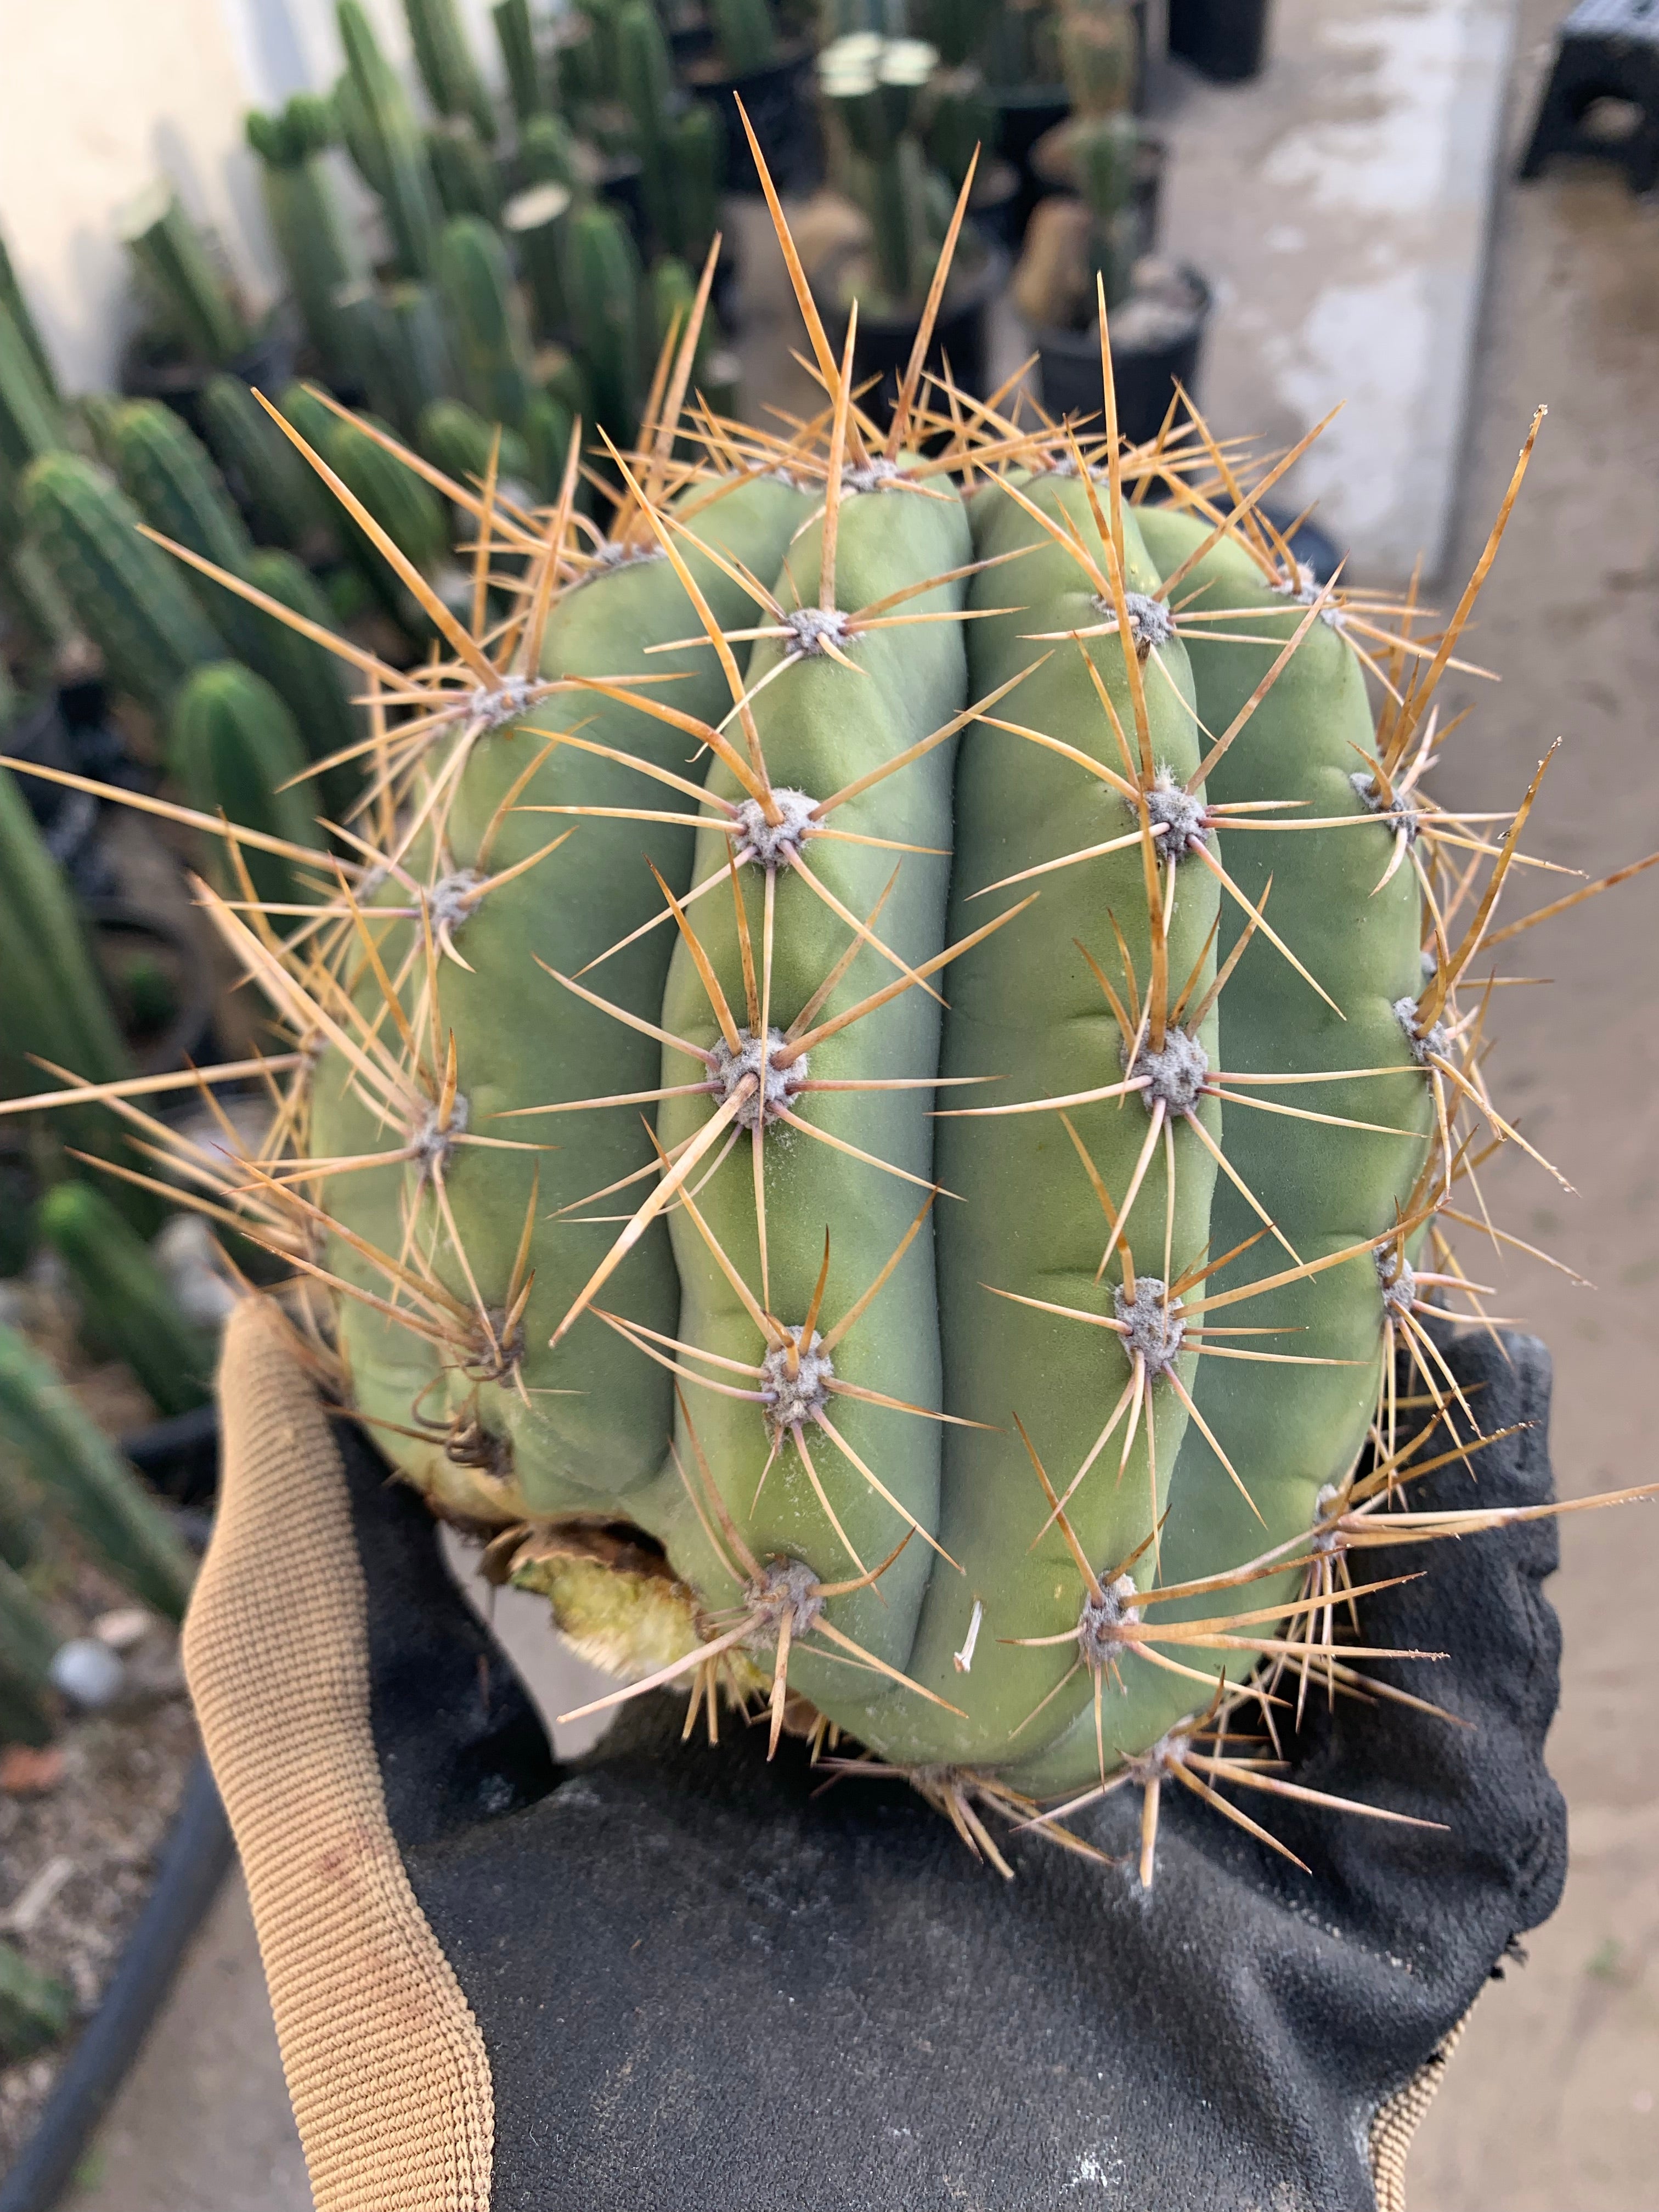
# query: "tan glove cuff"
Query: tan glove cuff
386,2065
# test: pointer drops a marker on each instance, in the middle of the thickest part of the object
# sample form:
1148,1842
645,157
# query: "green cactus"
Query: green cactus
548,424
384,142
311,235
602,283
35,593
401,349
283,499
34,2009
12,299
407,508
233,749
178,273
681,145
31,420
127,1305
462,170
127,595
83,1475
534,224
486,320
713,366
746,34
1098,48
456,439
314,682
547,152
516,37
22,1530
871,86
448,68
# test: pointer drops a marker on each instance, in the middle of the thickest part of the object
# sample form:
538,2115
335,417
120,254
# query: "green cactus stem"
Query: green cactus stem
281,497
233,749
86,1478
602,282
127,1305
486,320
456,439
747,34
548,425
31,421
873,86
533,223
547,152
17,307
127,595
22,1530
384,142
177,271
34,2009
306,221
515,35
407,508
314,683
448,68
402,349
462,170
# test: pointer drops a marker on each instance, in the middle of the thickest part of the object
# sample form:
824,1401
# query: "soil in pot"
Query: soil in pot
779,102
1224,39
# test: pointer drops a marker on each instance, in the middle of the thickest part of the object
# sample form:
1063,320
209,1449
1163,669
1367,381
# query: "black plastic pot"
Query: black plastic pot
195,1858
884,341
779,101
1053,168
268,365
1143,376
178,1458
1225,39
1024,113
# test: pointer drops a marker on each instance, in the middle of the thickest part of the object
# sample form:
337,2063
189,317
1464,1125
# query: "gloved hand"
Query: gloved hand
668,1975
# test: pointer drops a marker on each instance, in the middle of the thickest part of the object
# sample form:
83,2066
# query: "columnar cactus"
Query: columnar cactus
515,35
462,170
31,420
486,319
306,221
232,750
281,494
448,68
602,284
128,598
127,1305
926,1244
384,142
872,86
176,270
747,34
12,299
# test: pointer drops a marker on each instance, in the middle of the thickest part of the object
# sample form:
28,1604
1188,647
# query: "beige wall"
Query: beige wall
99,96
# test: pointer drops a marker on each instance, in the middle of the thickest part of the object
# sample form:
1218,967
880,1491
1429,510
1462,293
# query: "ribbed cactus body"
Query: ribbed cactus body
462,170
547,152
486,319
128,596
515,35
999,1311
385,141
17,307
747,35
456,439
534,223
232,750
128,1307
314,683
405,507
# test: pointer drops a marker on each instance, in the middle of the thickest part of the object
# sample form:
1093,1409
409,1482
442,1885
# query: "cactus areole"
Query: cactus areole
878,1090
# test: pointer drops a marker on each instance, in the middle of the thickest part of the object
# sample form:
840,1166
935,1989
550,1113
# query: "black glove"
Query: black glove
708,1983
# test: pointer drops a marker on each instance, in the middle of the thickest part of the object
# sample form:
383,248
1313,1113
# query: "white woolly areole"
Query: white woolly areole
773,844
774,1087
1099,1626
1326,1537
1153,1323
451,899
1403,815
1176,1074
1179,819
1151,621
793,1400
495,704
783,1586
872,475
1305,589
1398,1281
1438,1039
429,1146
814,628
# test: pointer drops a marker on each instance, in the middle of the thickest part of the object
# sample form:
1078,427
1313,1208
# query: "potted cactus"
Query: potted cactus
959,119
752,59
310,231
872,89
1094,242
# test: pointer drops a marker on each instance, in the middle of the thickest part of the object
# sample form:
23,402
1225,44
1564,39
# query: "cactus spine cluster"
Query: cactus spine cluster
940,1202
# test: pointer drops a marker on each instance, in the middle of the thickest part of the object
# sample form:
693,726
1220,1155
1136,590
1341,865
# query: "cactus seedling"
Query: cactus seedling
34,2009
991,1389
126,1302
186,290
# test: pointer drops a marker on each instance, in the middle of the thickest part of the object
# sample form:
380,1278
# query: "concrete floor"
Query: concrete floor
1552,2105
